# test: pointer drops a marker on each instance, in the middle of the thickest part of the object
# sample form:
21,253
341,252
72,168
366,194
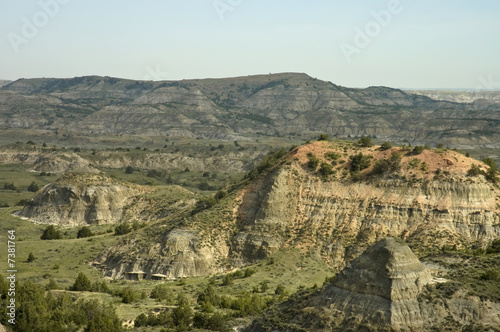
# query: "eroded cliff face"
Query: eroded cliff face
295,206
278,104
49,162
381,290
178,253
81,199
298,207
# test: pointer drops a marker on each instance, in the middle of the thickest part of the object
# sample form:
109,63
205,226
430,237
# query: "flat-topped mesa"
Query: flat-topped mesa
388,269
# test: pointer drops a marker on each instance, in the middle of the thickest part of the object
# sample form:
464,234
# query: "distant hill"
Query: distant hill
4,82
288,104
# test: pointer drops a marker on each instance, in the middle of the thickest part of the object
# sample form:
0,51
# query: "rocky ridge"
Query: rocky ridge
81,199
47,161
287,104
379,291
335,215
302,208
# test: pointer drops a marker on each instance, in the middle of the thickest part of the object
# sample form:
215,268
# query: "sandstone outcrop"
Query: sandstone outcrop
379,291
47,161
177,254
294,206
300,208
81,199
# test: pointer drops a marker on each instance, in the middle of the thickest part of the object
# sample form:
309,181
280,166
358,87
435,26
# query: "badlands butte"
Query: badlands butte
208,188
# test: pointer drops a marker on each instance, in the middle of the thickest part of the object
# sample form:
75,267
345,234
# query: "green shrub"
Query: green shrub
84,232
141,320
333,156
313,161
414,163
122,229
264,286
474,170
204,203
31,257
33,187
23,202
161,293
9,186
418,150
359,162
100,287
81,284
221,194
324,137
270,160
326,169
388,165
490,274
51,233
494,248
249,272
129,170
128,296
386,146
365,141
183,314
490,162
280,290
227,280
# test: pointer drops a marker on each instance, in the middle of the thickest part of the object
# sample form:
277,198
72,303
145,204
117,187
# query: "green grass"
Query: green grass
22,178
61,260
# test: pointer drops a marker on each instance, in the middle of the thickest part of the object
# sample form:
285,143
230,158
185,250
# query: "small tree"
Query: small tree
51,233
128,296
359,162
227,280
386,146
220,194
9,186
129,170
324,137
326,169
31,257
84,232
161,293
365,141
141,320
280,290
122,229
313,161
474,170
182,314
82,284
33,187
418,149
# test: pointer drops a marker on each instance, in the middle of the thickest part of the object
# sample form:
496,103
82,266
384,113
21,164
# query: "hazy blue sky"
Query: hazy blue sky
412,44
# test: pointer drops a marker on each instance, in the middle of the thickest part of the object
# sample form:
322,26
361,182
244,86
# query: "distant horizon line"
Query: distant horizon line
270,74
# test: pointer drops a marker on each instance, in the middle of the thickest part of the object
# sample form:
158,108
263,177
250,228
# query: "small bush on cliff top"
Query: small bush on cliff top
313,161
